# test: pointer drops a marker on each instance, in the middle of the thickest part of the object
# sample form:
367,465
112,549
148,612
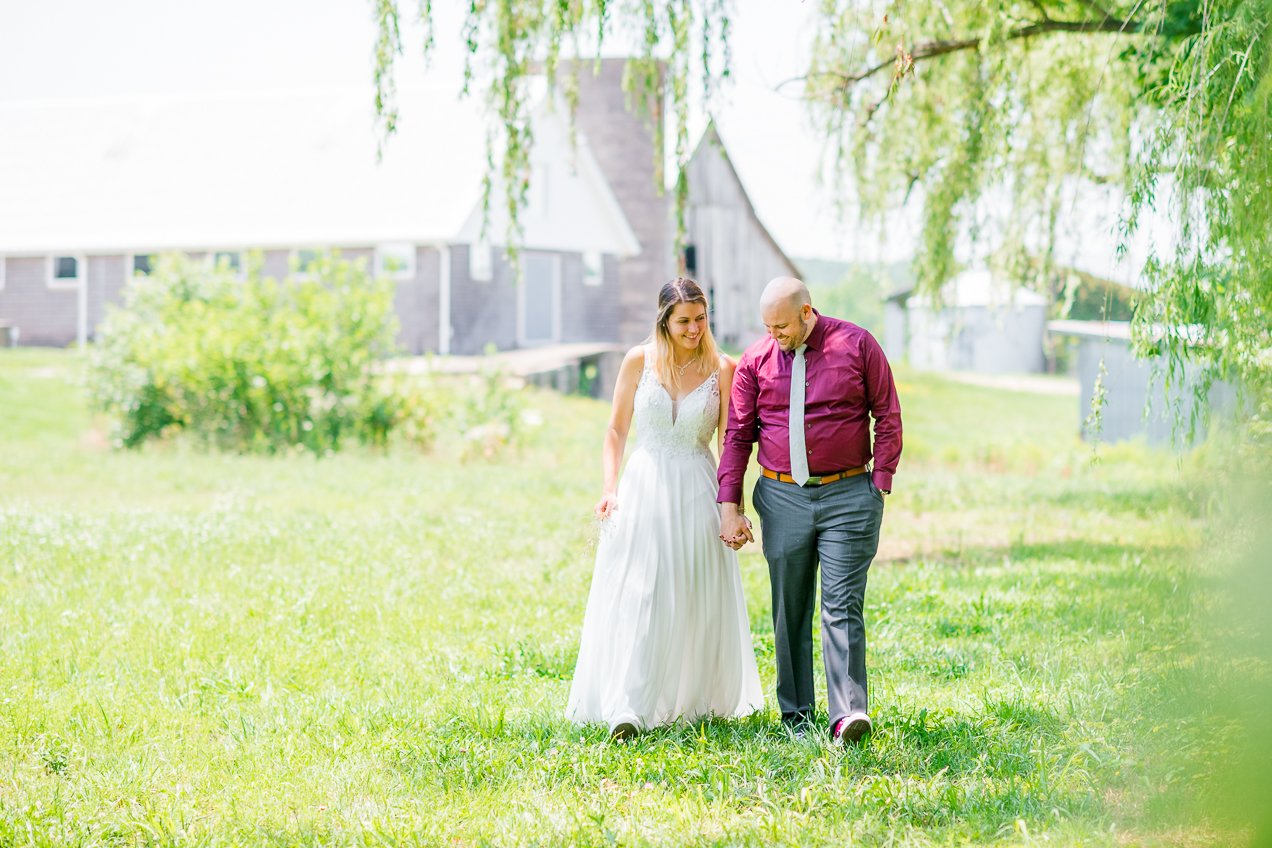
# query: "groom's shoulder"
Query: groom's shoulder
757,350
846,330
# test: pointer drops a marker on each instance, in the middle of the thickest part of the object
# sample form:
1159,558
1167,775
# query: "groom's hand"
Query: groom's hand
735,529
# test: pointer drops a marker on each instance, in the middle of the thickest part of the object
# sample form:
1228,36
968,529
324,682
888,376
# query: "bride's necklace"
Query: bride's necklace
681,369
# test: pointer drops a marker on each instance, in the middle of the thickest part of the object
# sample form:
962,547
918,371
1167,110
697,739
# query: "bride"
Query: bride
665,635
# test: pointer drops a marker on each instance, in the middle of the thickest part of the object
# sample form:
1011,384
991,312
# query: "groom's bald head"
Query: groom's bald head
787,311
785,291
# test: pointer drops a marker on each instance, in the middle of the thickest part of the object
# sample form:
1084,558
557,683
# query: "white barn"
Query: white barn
982,323
94,188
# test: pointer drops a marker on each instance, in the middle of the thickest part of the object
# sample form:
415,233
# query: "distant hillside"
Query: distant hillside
854,291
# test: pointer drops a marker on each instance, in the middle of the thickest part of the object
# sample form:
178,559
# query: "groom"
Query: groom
807,394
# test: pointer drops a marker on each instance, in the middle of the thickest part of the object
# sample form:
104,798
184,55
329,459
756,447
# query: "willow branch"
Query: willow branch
932,49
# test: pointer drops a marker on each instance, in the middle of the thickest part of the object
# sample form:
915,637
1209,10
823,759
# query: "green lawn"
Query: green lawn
376,649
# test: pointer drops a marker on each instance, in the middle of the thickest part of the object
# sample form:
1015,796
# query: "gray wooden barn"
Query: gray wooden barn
729,251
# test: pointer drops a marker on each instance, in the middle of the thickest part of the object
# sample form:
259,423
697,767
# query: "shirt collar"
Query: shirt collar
816,337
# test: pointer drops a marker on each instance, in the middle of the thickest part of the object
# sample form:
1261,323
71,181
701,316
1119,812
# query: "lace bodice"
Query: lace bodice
687,427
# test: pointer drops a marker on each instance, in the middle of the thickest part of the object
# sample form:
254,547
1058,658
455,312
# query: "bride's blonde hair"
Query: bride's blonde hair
707,356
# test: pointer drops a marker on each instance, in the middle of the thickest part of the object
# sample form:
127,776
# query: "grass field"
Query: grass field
376,649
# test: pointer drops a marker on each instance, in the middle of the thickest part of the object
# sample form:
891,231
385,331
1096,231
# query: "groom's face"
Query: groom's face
787,324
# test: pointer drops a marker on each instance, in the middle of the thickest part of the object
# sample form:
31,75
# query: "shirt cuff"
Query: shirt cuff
730,494
883,481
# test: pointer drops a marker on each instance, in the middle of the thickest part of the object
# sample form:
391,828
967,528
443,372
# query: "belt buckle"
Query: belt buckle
814,481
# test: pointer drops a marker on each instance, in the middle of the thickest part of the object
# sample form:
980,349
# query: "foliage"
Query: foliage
854,291
253,364
218,649
1036,102
973,107
508,40
1088,298
491,414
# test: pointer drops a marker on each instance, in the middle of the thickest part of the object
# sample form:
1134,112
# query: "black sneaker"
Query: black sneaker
797,724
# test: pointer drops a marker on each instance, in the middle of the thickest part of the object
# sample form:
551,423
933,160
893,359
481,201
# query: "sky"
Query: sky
70,49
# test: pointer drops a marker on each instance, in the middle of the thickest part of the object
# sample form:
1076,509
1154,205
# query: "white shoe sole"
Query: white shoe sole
854,730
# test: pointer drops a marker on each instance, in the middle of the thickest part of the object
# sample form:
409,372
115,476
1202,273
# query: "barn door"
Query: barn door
539,299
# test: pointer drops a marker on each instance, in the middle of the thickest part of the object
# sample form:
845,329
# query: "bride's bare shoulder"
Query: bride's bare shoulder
633,360
635,355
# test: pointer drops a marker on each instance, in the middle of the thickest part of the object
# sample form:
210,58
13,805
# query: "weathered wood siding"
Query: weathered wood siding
734,255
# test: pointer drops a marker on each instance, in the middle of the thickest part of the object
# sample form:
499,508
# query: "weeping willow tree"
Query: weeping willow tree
509,41
1169,101
947,102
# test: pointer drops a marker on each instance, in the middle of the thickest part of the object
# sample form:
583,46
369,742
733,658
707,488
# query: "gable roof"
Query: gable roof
272,169
711,140
576,209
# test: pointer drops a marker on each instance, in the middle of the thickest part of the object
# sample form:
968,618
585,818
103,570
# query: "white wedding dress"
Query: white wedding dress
666,635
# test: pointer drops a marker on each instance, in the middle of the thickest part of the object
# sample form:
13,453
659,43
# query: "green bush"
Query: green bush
255,364
489,414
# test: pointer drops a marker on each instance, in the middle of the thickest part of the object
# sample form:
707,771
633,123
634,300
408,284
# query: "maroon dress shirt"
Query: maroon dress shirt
849,382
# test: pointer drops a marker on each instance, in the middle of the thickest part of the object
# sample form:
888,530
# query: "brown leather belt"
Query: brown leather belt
821,480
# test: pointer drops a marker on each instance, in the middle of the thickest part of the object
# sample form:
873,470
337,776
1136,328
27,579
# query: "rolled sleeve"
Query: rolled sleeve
885,409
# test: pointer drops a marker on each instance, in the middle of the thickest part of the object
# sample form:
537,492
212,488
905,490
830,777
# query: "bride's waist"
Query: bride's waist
660,449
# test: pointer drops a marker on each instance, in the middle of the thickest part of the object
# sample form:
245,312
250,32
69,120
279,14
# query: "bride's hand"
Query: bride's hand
606,506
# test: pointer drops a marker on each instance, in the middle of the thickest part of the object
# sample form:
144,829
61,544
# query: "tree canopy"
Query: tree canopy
948,103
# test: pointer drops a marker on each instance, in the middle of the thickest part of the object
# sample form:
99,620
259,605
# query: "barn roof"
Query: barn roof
710,140
274,169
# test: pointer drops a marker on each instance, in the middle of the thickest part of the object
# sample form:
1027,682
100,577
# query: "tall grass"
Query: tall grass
376,648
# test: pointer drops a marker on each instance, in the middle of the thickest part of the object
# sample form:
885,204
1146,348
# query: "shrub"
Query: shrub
489,414
254,364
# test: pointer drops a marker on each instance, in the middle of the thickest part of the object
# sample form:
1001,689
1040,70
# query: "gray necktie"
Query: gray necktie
799,452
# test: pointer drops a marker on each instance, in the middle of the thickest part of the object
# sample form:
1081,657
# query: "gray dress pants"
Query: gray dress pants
835,526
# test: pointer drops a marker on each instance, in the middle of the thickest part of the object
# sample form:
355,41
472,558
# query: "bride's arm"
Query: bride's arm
727,367
616,433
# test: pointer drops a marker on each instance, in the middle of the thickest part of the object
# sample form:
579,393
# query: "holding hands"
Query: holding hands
735,528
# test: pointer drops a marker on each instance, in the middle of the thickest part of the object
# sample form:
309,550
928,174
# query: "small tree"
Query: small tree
253,364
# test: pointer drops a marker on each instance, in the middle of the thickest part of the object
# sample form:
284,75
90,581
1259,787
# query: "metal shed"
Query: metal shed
1136,404
981,323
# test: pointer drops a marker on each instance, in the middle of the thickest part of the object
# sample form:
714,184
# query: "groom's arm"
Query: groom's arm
740,435
885,409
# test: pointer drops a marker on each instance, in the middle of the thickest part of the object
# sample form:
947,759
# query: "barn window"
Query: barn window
65,271
230,260
593,268
305,262
395,261
142,264
480,262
